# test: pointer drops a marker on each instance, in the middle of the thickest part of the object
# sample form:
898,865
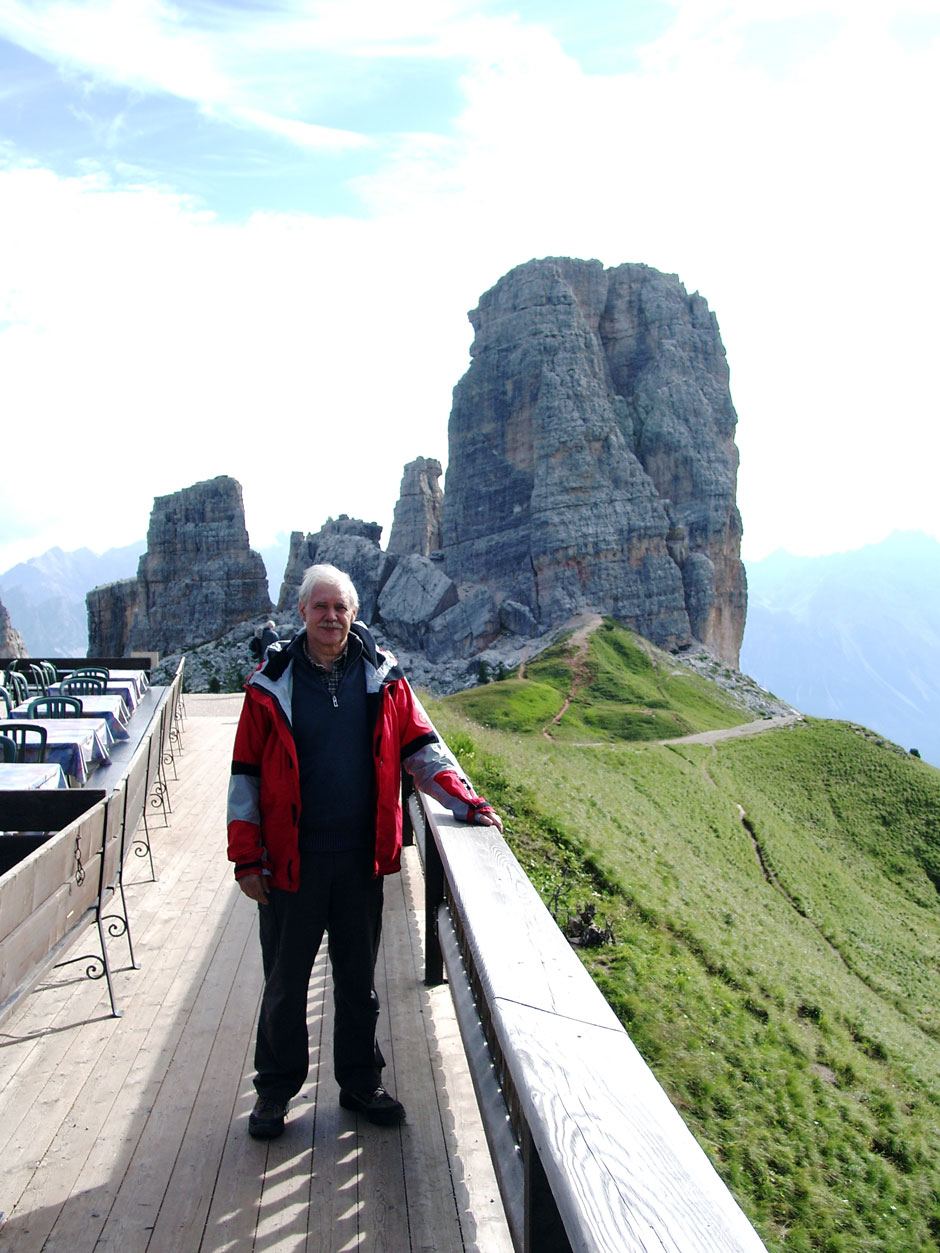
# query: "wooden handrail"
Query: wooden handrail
589,1150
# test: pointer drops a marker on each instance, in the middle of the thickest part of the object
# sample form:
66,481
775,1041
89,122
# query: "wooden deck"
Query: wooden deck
131,1133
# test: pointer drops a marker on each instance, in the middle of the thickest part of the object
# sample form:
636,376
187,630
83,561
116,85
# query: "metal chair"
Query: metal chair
23,734
54,707
7,749
96,687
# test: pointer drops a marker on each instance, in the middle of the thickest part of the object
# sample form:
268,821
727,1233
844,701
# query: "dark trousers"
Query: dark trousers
337,894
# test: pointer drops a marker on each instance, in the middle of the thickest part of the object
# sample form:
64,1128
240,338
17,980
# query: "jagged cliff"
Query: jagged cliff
111,608
416,527
199,575
592,459
345,542
197,579
592,469
11,642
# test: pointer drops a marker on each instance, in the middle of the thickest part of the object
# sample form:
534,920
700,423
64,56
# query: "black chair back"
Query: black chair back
25,735
55,707
18,684
94,687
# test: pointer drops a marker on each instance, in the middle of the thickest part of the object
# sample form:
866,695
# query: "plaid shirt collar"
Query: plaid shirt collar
331,679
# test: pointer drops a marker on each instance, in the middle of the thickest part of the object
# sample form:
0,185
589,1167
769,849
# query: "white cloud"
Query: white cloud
798,199
303,134
278,351
246,71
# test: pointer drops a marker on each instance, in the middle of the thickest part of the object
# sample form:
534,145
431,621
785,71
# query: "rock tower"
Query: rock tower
198,578
592,462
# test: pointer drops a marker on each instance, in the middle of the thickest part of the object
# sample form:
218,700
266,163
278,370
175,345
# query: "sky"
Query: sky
243,238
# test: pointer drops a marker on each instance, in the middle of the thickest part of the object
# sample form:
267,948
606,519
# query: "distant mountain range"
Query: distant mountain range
854,636
45,596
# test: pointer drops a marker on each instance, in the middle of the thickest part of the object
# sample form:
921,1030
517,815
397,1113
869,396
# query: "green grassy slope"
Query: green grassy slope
621,688
777,920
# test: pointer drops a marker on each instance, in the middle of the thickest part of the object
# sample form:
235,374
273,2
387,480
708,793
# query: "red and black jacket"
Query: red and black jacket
264,789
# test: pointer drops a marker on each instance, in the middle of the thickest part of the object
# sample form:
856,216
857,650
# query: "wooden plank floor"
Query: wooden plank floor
131,1133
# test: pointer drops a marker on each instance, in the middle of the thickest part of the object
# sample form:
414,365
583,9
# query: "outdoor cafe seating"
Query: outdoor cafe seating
54,707
77,744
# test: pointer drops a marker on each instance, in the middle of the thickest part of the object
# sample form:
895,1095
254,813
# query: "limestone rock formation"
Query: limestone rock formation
416,527
408,599
417,591
592,462
592,468
111,608
199,576
11,642
349,544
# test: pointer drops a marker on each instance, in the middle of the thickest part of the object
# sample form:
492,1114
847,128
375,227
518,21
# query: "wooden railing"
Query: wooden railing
62,859
589,1151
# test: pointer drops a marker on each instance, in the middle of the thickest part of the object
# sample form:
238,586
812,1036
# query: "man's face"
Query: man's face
327,615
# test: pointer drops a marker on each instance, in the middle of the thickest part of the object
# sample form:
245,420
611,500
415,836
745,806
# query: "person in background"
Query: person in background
268,637
314,826
254,646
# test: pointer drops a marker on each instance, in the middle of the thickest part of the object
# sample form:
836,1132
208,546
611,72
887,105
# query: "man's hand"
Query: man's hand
254,886
488,818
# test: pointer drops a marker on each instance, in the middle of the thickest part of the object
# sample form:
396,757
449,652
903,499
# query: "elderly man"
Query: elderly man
314,823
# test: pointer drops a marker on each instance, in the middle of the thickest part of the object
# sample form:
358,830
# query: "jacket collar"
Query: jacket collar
384,664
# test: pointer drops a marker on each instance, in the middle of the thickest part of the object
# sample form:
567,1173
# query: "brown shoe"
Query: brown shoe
379,1106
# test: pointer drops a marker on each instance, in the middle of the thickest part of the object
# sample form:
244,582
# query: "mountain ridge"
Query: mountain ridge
853,635
45,595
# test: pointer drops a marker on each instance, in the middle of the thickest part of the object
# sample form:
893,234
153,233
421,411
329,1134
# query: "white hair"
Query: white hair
333,577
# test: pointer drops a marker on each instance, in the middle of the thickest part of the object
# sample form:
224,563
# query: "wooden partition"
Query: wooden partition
64,861
589,1151
46,894
22,664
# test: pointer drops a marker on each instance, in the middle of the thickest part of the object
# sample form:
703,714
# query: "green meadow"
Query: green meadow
774,902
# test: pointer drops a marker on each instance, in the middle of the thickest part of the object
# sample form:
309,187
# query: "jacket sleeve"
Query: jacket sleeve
245,848
430,762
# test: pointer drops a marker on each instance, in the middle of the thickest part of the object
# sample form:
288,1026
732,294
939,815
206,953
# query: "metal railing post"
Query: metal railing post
433,899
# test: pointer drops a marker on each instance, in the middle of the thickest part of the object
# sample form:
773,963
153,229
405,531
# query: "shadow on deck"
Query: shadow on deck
131,1133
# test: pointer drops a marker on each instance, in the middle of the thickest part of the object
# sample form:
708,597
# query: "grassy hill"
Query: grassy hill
774,902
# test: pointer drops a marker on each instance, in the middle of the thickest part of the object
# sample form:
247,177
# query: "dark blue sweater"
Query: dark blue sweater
334,753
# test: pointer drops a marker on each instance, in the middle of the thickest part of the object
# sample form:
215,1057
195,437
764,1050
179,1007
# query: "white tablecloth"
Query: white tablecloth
29,776
76,744
110,707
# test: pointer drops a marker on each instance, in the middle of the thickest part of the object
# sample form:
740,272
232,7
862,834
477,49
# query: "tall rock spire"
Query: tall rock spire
416,527
199,576
592,462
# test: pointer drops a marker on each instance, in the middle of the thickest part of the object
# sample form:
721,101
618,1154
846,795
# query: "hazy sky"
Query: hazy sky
243,239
